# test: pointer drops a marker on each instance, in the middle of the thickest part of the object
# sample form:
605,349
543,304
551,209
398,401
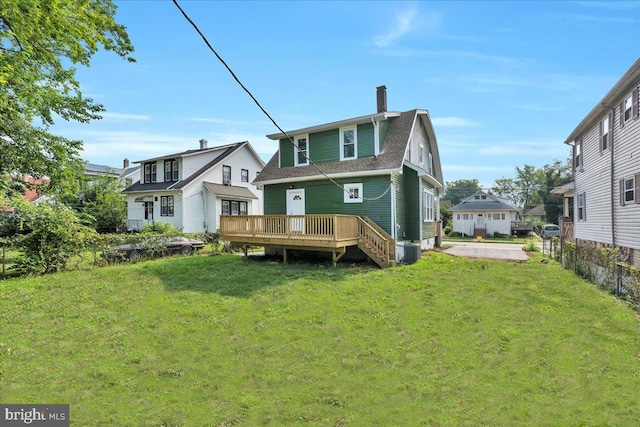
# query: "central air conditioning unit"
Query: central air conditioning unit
226,182
412,253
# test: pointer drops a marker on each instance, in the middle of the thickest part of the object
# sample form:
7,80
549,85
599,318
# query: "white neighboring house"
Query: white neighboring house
606,171
483,214
192,189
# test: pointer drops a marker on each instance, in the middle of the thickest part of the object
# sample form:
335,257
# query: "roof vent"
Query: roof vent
203,144
381,98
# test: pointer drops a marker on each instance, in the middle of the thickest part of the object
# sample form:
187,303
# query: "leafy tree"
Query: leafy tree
507,188
528,181
41,42
554,175
460,189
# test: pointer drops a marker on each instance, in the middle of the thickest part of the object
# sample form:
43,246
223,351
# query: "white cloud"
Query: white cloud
535,107
110,147
452,121
605,19
121,117
402,25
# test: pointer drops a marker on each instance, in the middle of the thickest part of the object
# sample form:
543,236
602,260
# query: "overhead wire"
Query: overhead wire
290,139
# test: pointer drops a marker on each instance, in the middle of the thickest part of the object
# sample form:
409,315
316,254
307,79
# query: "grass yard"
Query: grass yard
220,341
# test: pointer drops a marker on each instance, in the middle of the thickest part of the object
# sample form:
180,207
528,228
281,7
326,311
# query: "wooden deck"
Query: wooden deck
328,233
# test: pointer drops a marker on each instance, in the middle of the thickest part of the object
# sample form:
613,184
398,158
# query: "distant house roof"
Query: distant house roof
177,185
391,157
95,169
535,211
491,203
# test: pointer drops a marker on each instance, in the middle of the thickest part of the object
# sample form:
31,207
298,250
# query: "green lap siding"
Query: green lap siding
286,152
412,204
325,146
365,140
323,197
401,211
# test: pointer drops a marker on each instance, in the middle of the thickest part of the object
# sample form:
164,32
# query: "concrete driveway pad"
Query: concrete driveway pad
502,251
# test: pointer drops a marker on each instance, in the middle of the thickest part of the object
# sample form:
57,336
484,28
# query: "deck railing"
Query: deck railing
320,227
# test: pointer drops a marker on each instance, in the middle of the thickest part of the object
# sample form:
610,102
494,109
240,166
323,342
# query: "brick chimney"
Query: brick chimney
203,144
125,164
381,98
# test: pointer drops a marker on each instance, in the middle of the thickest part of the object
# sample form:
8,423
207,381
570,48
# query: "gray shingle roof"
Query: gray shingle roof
391,156
230,191
173,185
483,205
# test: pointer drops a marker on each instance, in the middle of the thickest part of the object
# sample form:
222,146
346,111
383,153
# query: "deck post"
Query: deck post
244,249
284,255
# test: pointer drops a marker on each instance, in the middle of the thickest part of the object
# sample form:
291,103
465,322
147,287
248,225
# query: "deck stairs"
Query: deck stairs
376,243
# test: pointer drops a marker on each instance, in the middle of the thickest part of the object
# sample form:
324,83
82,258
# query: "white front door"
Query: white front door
481,220
295,206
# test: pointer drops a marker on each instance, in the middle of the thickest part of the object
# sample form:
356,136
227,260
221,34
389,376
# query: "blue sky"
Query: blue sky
505,82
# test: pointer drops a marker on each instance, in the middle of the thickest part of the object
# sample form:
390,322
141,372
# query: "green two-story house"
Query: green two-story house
383,167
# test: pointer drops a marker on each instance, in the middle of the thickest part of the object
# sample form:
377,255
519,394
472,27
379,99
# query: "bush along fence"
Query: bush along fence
609,268
19,256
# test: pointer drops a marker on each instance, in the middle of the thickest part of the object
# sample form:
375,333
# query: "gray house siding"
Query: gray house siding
593,179
627,165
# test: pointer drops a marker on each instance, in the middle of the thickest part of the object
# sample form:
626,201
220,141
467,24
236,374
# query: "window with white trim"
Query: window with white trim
348,143
421,154
627,109
234,207
170,170
630,190
430,165
149,172
226,174
301,156
427,206
353,193
577,162
166,206
605,138
580,206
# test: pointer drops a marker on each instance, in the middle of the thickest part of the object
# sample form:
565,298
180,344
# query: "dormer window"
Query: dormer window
170,170
301,150
348,143
149,173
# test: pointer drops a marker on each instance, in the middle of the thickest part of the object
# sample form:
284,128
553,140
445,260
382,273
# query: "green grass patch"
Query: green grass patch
219,340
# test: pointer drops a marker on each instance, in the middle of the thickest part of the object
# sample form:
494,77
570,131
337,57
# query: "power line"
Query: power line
290,139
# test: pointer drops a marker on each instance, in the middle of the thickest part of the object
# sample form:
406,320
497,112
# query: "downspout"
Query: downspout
376,136
613,207
394,231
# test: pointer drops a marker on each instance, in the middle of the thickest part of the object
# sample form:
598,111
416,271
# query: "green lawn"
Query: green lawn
220,341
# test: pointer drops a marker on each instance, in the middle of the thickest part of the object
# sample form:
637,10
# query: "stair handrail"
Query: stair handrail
377,239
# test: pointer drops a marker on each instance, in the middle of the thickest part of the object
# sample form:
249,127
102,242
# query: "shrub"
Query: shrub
163,228
530,246
51,235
